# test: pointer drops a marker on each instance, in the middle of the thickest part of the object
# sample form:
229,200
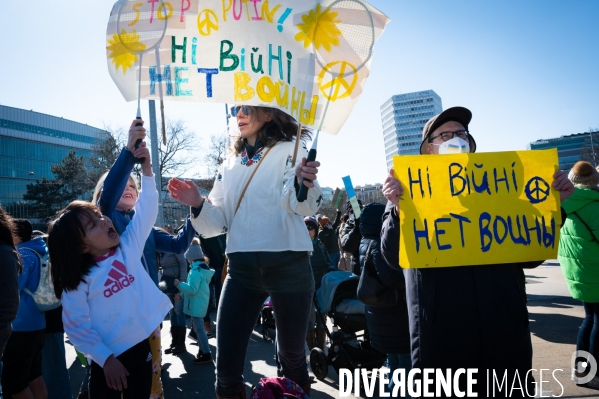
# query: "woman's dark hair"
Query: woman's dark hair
66,245
8,232
280,127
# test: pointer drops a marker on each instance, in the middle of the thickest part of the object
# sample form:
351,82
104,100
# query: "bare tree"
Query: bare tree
178,155
106,150
215,154
176,158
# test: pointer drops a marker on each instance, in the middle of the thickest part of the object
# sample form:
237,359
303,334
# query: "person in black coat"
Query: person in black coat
11,267
351,236
387,326
321,265
328,235
469,316
214,248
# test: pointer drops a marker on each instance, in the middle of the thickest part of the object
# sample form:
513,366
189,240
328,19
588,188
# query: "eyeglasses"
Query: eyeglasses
245,109
446,136
311,227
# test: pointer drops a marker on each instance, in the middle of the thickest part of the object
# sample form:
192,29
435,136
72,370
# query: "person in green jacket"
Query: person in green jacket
579,254
196,294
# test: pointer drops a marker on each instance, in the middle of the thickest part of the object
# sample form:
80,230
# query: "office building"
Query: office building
571,148
327,194
31,142
370,193
403,117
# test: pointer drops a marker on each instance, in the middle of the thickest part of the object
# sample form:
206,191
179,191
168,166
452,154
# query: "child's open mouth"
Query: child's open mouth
112,232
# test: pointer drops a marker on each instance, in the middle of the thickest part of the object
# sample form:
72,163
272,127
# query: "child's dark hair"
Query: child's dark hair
66,245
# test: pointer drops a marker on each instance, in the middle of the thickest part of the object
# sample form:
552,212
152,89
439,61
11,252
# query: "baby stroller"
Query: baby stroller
267,319
337,299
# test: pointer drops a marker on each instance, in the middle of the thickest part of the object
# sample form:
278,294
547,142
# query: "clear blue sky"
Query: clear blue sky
526,69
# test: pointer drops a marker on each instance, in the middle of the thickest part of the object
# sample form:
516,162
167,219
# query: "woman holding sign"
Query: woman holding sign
267,241
470,317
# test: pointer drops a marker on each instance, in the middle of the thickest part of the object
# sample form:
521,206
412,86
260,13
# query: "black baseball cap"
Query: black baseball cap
458,114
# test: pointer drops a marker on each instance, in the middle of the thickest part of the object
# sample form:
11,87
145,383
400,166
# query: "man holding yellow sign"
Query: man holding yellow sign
466,226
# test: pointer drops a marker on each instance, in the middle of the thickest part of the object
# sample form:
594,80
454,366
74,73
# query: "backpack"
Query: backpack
277,388
44,297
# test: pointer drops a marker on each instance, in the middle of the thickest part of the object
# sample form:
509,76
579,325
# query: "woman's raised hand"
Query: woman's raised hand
186,192
307,170
392,188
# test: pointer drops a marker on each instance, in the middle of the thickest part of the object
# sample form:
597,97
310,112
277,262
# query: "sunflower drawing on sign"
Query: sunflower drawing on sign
327,34
342,37
119,55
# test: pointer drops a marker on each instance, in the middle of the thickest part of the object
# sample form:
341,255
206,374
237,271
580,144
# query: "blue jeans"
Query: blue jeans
252,277
54,367
588,335
198,325
398,361
335,257
176,313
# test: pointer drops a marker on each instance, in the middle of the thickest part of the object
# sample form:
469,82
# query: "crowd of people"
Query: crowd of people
117,276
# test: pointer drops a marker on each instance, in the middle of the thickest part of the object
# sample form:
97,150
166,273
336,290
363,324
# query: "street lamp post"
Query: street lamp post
156,162
593,149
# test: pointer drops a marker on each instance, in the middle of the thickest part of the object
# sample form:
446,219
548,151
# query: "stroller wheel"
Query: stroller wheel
318,362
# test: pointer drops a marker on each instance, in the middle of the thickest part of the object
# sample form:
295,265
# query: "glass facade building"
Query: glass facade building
570,148
403,117
31,142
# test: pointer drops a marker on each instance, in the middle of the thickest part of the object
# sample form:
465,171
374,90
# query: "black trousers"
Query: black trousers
138,362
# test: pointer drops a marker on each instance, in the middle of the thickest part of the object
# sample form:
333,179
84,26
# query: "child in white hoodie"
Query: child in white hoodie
110,304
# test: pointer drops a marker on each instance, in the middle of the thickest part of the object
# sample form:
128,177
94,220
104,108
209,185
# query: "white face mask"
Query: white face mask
454,146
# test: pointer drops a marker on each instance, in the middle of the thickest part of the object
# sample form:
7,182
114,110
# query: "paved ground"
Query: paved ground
554,321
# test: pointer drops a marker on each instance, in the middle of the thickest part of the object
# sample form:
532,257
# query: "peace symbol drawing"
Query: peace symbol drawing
207,21
337,86
537,190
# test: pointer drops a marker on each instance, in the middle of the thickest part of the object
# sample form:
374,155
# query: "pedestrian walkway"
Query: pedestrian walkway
554,321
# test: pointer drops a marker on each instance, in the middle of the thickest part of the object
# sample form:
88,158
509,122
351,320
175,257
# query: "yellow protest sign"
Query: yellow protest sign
478,209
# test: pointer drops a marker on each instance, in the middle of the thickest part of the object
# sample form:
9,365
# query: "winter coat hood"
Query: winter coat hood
371,220
579,199
205,271
37,244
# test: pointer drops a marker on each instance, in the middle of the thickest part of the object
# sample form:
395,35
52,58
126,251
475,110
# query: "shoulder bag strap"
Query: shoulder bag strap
226,262
40,276
250,179
586,225
367,259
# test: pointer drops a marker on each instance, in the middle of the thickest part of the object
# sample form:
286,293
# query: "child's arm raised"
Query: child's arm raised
119,173
146,208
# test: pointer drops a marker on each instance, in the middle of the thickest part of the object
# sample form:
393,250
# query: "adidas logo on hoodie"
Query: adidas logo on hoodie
118,280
